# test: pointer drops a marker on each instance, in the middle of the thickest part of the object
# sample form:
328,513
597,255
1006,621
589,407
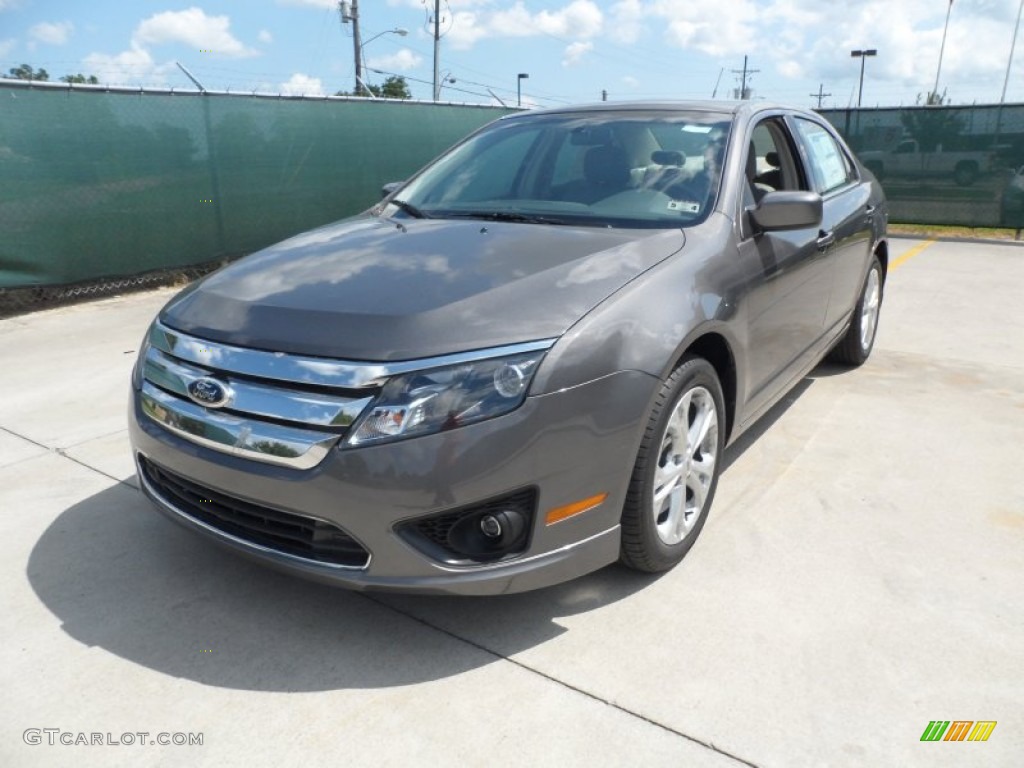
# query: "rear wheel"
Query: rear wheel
965,173
856,345
676,471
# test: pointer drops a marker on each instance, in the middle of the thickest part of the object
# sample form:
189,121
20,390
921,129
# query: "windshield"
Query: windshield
625,169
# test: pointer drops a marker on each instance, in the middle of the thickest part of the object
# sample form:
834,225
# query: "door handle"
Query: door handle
825,239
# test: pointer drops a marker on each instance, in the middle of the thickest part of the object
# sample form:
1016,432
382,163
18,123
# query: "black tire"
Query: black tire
852,349
966,173
643,548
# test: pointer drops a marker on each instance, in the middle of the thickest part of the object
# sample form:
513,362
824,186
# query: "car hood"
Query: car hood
370,289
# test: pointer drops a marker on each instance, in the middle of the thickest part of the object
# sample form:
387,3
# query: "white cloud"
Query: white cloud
580,19
709,27
402,61
191,27
302,85
626,21
52,33
6,46
630,82
907,35
574,52
129,67
265,37
311,3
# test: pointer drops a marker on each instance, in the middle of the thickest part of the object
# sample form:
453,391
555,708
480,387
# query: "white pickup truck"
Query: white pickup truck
908,160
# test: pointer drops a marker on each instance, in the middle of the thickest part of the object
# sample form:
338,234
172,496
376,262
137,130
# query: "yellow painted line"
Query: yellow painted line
911,254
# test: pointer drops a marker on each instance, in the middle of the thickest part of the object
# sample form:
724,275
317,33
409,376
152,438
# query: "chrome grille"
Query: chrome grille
291,415
276,408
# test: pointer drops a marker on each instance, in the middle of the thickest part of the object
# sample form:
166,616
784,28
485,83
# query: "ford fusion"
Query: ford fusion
525,363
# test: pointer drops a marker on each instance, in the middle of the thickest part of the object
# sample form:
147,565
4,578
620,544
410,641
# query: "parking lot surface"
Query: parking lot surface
860,576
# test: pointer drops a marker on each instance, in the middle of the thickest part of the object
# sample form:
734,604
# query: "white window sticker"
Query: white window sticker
684,206
833,170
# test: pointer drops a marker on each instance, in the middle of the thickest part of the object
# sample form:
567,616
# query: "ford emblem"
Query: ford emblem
209,392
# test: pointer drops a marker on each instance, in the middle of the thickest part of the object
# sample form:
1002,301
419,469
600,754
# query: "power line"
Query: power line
744,91
820,96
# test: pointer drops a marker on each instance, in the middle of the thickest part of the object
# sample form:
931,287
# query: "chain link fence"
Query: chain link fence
103,185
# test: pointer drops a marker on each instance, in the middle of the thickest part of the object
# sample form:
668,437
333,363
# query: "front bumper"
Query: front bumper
569,445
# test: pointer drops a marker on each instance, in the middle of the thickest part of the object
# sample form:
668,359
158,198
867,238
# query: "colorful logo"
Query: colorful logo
958,730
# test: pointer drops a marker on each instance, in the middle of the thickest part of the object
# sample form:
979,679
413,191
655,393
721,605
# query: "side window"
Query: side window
830,168
568,163
771,165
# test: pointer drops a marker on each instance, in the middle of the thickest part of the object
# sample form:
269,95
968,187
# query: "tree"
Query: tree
394,87
80,78
933,127
25,72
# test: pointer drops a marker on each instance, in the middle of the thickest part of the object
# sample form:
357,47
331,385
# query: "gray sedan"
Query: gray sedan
523,364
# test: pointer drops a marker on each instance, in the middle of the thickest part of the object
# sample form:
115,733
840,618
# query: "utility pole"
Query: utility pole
819,95
437,49
744,91
349,11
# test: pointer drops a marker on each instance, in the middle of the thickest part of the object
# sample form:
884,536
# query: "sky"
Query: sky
572,50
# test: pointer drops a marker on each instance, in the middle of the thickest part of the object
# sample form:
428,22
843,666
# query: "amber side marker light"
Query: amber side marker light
558,514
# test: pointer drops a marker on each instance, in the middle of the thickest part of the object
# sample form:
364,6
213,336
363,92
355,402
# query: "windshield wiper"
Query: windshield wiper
526,218
409,208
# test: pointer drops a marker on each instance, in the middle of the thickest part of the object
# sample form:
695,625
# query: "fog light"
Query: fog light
490,526
489,535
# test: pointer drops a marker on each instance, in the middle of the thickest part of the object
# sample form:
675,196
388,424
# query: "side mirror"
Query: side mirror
390,187
788,210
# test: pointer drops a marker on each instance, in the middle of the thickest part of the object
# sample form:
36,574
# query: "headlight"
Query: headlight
424,402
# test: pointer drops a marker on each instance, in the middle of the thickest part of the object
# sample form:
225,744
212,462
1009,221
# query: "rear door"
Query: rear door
847,214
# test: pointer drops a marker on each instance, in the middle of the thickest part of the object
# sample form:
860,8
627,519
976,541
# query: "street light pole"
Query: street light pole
519,87
396,31
942,50
862,55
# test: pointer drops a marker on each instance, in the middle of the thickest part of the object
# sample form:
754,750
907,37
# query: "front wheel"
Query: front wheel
676,470
856,345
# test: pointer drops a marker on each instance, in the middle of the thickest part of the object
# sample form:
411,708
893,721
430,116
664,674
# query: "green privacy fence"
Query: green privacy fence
943,165
101,183
98,183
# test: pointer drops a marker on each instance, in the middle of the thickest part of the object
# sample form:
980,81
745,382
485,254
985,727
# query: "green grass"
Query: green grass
938,230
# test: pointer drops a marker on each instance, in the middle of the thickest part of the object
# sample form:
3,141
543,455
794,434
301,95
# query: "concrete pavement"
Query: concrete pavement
860,575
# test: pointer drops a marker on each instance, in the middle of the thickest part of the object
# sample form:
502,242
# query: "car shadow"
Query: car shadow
120,577
772,415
